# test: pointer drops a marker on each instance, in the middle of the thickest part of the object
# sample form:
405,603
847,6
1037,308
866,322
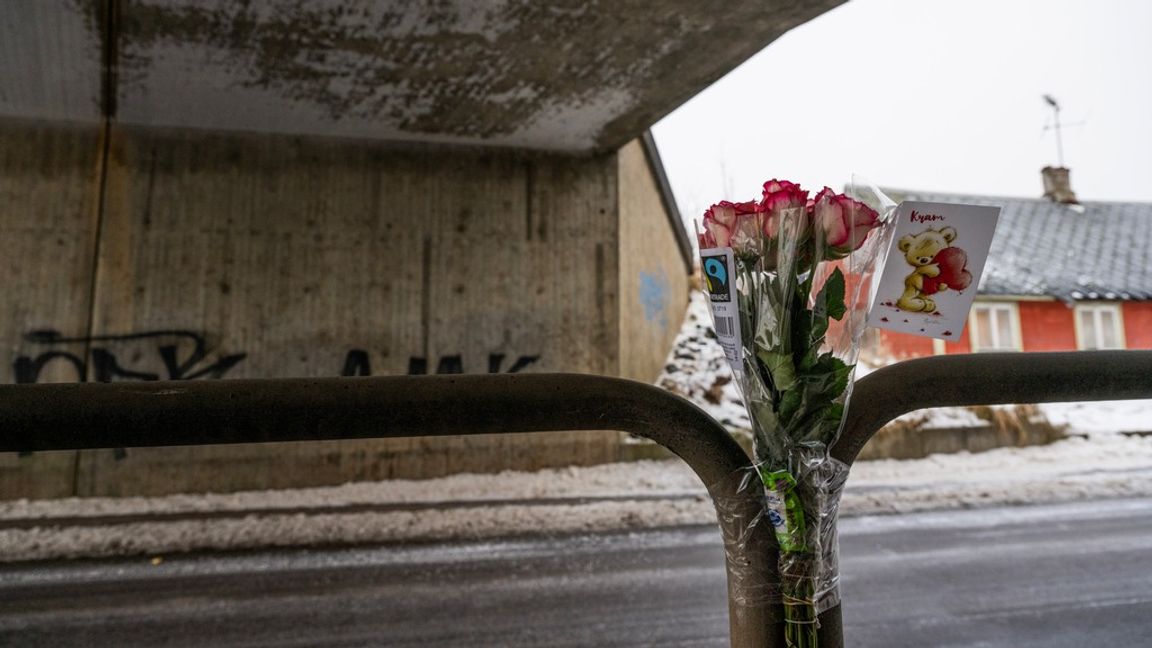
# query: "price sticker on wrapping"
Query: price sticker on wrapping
719,267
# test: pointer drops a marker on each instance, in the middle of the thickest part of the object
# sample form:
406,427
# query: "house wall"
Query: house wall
1044,326
901,346
271,256
1047,326
653,272
962,345
1138,324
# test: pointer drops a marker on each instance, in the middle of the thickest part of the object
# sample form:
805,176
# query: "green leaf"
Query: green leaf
790,404
780,368
835,414
839,375
808,362
833,292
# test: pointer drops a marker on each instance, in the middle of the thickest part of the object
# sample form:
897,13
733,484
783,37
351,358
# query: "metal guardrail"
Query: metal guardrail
86,415
141,414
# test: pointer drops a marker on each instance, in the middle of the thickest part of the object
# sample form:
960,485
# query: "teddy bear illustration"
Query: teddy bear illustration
937,266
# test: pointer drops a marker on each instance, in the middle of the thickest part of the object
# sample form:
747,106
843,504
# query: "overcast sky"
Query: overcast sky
928,94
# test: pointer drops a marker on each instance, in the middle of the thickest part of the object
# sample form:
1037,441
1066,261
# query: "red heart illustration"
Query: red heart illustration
954,274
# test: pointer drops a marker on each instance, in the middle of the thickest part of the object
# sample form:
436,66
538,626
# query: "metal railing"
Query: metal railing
142,414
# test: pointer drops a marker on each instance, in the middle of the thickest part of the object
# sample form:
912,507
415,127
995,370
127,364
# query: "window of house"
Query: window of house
1099,326
994,327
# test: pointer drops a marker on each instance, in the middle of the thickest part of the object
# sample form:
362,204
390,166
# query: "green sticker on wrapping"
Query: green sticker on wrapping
784,510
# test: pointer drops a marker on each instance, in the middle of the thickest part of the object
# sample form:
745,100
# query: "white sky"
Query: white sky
932,95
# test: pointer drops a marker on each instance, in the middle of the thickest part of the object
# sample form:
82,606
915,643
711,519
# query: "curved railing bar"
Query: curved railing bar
989,379
141,414
981,379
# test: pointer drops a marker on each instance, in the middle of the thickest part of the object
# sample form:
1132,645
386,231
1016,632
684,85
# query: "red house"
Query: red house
1061,276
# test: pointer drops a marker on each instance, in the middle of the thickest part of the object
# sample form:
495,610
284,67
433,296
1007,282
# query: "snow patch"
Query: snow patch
624,496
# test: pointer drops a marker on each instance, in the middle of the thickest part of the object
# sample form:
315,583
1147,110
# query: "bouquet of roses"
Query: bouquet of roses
787,277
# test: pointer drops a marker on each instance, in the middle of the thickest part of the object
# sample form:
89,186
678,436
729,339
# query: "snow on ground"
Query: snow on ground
638,495
1105,417
1070,470
698,371
646,477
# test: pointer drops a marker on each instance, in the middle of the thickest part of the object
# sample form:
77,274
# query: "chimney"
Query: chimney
1057,187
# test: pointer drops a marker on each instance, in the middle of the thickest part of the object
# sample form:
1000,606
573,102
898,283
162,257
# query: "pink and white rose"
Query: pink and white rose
746,229
778,196
843,222
735,225
782,194
752,229
718,221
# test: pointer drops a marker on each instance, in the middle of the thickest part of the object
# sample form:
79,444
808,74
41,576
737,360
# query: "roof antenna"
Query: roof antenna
1056,125
1057,185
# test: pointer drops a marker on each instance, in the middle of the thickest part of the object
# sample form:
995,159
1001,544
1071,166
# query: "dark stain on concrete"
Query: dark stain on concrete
589,74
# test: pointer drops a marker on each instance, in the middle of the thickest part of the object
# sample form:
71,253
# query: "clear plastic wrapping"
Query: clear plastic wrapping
752,582
753,585
790,279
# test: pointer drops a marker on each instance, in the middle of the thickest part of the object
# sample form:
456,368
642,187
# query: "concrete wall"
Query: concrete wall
197,256
653,272
49,195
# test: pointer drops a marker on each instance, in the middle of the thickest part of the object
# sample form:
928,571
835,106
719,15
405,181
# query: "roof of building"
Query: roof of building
1091,251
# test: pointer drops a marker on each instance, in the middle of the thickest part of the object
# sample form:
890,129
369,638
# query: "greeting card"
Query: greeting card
932,268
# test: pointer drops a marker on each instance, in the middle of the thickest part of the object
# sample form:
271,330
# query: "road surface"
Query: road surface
1071,575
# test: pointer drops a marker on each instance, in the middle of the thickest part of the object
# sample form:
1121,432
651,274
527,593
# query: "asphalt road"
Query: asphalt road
1047,576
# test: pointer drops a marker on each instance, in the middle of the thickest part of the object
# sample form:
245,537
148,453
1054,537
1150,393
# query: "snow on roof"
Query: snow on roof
1091,251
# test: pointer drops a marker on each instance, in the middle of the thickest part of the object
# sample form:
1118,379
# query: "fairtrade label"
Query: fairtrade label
719,267
932,268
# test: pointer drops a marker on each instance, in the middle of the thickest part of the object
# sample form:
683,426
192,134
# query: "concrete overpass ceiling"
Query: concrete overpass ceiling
572,76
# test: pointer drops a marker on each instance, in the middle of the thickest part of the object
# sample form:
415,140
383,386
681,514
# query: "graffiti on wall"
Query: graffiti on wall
358,363
654,297
129,357
104,357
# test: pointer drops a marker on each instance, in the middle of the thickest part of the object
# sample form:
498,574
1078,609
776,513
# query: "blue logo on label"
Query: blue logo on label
716,274
715,268
775,518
